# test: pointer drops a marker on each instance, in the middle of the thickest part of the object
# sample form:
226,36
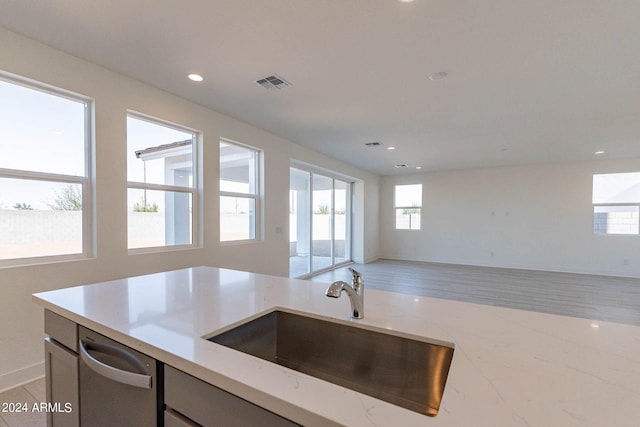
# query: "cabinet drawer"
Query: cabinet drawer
210,406
61,329
173,419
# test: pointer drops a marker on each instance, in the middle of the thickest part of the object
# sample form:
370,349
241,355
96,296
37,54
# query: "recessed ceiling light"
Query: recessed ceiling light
438,76
405,1
599,152
418,167
391,147
195,77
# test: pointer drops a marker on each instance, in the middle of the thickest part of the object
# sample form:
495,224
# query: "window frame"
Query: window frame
396,207
312,172
193,190
595,205
256,196
85,181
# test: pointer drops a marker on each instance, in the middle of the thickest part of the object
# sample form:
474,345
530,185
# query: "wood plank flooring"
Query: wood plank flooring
29,394
607,298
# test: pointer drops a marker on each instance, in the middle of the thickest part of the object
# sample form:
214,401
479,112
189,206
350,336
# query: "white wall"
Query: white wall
21,351
531,217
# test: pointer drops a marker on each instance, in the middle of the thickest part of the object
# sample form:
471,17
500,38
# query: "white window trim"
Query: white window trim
605,204
85,181
395,209
256,197
194,190
395,224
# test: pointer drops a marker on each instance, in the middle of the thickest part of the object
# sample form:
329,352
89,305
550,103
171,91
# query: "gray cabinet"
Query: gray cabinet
207,405
61,365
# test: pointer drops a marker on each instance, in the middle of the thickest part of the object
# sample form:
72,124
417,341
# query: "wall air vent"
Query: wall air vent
373,144
273,81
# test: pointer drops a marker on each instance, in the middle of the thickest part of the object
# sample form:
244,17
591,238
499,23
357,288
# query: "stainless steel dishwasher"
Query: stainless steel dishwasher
118,385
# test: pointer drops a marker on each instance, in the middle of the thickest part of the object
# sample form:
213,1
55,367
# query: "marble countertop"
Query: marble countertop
510,367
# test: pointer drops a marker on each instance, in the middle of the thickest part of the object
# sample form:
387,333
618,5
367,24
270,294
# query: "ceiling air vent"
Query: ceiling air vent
273,81
373,144
400,166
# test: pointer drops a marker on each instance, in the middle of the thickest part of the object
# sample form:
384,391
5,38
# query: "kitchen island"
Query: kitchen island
510,367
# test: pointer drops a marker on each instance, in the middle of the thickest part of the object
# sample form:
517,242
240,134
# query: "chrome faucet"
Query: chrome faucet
355,292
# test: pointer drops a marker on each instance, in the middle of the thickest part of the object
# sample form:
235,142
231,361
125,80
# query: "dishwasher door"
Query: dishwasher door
118,385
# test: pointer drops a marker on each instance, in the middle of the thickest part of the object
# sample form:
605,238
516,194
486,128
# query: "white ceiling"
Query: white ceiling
529,81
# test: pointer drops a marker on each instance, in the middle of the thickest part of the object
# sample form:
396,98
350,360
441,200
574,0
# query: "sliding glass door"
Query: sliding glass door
299,222
319,223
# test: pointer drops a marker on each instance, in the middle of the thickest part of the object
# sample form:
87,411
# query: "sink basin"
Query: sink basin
407,372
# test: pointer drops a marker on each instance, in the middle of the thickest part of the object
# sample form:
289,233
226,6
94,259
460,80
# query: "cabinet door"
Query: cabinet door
62,385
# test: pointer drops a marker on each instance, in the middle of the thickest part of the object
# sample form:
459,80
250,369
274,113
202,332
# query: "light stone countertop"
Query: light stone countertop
510,367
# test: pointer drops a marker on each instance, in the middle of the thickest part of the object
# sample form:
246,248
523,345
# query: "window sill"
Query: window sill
239,242
36,261
161,249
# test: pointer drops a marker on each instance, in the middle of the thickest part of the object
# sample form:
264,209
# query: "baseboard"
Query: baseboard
372,259
21,376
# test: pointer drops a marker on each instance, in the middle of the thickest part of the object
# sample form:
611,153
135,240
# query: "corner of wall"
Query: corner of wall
21,376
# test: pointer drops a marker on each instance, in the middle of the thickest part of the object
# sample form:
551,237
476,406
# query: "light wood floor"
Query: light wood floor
29,394
593,297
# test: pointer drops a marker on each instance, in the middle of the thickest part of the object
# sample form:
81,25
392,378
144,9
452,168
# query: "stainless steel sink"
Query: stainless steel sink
407,372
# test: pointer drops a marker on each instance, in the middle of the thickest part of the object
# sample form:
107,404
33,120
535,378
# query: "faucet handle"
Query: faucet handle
354,272
357,278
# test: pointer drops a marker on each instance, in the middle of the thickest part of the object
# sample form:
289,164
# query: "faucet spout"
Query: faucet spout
355,293
335,289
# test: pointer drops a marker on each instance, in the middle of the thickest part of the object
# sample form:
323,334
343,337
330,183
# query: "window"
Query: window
239,192
161,183
407,201
616,203
44,173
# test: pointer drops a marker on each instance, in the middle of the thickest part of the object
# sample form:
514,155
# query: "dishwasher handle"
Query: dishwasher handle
115,374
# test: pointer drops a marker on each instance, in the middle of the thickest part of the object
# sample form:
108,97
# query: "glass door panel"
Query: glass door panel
299,223
341,222
322,222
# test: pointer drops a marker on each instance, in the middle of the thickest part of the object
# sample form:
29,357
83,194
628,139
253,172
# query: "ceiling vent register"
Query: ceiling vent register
273,81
